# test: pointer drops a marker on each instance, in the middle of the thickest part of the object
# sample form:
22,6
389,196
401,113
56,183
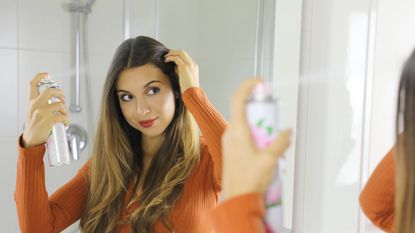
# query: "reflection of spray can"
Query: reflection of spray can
263,112
57,143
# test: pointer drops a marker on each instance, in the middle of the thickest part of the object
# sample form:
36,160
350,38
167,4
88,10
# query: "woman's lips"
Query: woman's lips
148,123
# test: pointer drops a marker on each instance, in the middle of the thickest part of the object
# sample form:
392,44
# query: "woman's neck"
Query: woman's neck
151,145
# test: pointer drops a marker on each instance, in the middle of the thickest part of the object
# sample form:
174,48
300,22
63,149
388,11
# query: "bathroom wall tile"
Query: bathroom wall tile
225,30
105,27
8,24
43,25
9,93
242,28
179,29
142,18
220,77
214,37
99,66
214,29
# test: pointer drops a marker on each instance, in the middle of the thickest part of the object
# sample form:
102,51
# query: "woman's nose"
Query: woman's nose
142,108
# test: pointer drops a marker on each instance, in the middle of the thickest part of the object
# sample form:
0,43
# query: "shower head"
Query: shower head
75,6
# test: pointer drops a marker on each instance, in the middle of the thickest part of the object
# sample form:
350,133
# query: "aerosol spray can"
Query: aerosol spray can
57,143
263,113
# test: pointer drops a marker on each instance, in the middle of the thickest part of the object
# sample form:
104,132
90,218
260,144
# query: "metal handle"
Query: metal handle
77,140
74,148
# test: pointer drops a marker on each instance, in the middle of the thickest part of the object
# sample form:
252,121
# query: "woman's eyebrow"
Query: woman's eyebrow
153,81
121,90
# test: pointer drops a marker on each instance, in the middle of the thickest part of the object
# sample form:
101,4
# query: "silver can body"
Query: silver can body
57,144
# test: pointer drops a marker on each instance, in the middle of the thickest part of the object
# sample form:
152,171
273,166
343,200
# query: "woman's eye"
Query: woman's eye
125,97
153,91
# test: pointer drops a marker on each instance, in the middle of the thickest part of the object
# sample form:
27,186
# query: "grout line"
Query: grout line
37,50
7,48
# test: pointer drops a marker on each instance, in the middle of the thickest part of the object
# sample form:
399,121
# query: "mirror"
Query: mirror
230,40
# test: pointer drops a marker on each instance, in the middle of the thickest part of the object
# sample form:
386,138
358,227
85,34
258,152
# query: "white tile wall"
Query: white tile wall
143,18
98,73
8,24
178,29
216,38
241,28
8,95
105,28
223,75
214,31
43,25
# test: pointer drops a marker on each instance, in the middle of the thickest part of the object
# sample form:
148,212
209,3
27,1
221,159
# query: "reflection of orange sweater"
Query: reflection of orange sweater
242,214
39,213
378,197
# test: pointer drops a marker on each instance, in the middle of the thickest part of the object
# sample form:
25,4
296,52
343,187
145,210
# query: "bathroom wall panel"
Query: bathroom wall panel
8,24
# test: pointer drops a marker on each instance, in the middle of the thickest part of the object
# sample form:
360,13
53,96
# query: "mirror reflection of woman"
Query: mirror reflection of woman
389,196
150,171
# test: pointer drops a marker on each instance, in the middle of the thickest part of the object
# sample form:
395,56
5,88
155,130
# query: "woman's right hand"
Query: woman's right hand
41,115
247,168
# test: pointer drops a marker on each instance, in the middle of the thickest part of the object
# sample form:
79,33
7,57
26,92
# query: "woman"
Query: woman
149,171
390,211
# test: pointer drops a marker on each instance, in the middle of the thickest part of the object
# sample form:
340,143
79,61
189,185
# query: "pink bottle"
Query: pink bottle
263,112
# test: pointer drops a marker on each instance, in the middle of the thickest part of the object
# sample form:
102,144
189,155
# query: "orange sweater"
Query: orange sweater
242,214
378,197
39,213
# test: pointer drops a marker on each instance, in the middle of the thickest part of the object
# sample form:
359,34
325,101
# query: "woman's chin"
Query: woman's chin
151,132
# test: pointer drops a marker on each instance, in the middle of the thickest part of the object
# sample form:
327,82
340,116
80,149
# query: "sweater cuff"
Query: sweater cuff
241,209
31,155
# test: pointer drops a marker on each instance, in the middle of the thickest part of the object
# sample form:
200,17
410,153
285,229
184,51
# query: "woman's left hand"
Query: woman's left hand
186,68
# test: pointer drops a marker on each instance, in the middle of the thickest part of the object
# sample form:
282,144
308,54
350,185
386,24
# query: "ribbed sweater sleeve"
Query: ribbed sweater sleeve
378,197
37,212
242,214
211,123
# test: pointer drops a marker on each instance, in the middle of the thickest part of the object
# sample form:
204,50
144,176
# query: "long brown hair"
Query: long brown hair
405,159
117,157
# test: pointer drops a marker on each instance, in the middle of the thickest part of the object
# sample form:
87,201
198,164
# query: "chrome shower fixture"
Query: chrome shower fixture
77,9
76,6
